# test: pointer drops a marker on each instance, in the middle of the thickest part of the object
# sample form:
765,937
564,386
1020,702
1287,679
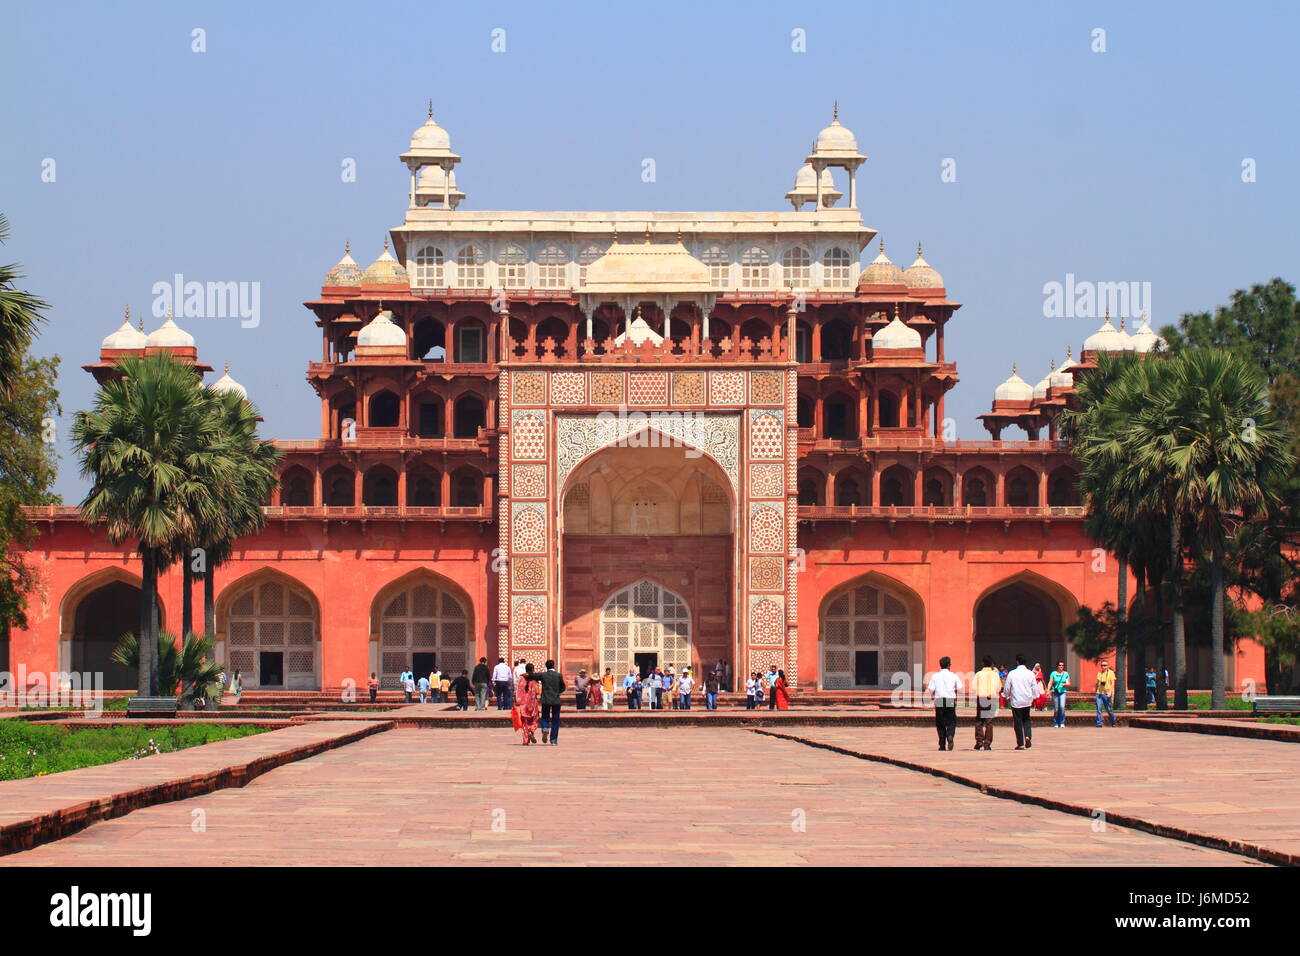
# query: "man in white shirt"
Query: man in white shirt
684,688
1020,690
944,687
501,676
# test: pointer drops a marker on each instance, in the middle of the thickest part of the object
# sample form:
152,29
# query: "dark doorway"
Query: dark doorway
101,619
645,663
423,663
866,669
270,669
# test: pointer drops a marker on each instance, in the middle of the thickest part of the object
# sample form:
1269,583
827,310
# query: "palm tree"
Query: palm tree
20,313
1226,453
189,668
151,448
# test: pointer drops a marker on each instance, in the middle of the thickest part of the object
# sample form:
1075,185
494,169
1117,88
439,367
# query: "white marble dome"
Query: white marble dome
169,335
1145,338
836,138
896,335
1040,390
125,337
1061,377
1014,389
430,136
228,384
1106,339
381,331
921,275
805,185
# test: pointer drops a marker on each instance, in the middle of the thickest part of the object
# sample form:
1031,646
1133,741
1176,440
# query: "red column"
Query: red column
401,486
1000,499
446,486
1042,488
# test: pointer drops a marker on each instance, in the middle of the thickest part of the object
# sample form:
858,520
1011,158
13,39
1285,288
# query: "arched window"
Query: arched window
512,267
755,268
271,636
296,489
470,267
423,487
866,640
796,268
589,254
470,416
423,627
837,339
471,342
837,269
645,619
557,330
430,340
429,263
896,487
379,487
467,489
385,409
339,484
429,416
552,268
719,263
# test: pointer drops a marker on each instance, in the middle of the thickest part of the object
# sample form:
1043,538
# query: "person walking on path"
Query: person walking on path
435,684
408,684
373,686
595,694
501,683
1059,678
944,687
423,685
1021,689
1105,688
462,687
654,689
527,710
607,689
553,688
673,689
781,691
630,683
988,688
711,685
480,680
581,683
684,687
751,685
1151,686
237,686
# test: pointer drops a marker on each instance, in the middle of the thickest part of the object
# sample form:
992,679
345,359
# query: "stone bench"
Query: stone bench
151,706
1277,705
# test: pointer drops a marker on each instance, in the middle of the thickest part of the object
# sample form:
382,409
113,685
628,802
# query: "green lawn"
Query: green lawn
31,750
1281,720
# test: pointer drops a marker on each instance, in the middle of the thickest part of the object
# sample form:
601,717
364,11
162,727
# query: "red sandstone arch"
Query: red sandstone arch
251,581
1061,603
83,589
896,589
391,589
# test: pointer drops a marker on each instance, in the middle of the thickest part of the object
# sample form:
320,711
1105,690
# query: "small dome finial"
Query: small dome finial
431,107
1013,368
882,245
128,315
1052,365
647,233
347,247
836,112
227,368
385,243
142,323
1069,353
918,248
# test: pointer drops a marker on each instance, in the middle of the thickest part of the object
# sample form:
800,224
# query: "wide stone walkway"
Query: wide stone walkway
685,796
1229,787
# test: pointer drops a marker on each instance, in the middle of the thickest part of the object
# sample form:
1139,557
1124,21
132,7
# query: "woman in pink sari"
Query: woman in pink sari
528,708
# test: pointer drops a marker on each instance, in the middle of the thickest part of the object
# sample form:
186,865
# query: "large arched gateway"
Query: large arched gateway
421,624
272,632
867,637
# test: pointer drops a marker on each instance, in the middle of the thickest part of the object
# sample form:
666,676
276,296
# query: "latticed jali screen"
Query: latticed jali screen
423,620
645,618
864,619
272,617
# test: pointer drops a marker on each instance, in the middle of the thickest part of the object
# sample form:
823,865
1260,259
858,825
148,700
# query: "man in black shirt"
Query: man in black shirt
461,686
553,686
480,681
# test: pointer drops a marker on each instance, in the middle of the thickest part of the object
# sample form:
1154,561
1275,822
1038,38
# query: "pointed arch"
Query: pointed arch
870,629
268,629
1024,613
420,618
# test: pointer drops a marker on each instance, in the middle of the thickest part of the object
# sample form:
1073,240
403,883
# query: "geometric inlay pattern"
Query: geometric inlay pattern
530,388
765,388
528,524
569,388
766,620
765,573
529,481
688,388
529,574
647,388
727,388
607,388
528,620
766,480
766,529
529,433
766,434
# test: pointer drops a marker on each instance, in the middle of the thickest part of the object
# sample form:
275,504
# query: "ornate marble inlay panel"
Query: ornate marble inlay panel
766,620
766,528
578,436
607,388
569,388
528,481
528,620
765,388
529,388
688,388
767,434
529,574
766,480
765,574
528,527
528,430
647,388
727,388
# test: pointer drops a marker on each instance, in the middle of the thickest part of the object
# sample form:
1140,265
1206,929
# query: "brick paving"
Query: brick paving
686,796
1229,787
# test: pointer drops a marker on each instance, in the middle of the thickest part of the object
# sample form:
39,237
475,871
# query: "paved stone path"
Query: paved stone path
1230,787
687,796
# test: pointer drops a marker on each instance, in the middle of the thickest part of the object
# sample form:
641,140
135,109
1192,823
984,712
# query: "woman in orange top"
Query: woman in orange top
782,691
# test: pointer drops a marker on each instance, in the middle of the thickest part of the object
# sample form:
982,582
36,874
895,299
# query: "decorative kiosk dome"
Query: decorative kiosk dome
228,384
895,336
805,188
921,275
1014,389
169,335
385,270
346,272
381,333
1145,338
1106,339
881,271
126,338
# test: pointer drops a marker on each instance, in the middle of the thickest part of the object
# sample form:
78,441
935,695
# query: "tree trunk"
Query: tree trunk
1139,645
1121,685
187,597
1217,697
1176,609
147,638
209,601
1162,684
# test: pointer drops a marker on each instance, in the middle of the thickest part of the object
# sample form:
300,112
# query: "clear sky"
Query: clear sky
1122,165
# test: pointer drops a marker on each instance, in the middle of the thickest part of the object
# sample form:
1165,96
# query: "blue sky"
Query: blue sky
224,165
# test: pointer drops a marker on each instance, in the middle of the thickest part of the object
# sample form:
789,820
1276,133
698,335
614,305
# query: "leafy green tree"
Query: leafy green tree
20,315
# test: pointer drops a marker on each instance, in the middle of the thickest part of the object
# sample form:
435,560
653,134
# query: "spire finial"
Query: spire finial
385,243
1052,365
227,368
647,233
918,248
347,247
895,311
1069,353
431,107
128,315
882,245
1107,313
836,116
169,313
1013,368
142,323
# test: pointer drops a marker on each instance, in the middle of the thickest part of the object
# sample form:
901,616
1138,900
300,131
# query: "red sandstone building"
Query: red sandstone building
624,439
